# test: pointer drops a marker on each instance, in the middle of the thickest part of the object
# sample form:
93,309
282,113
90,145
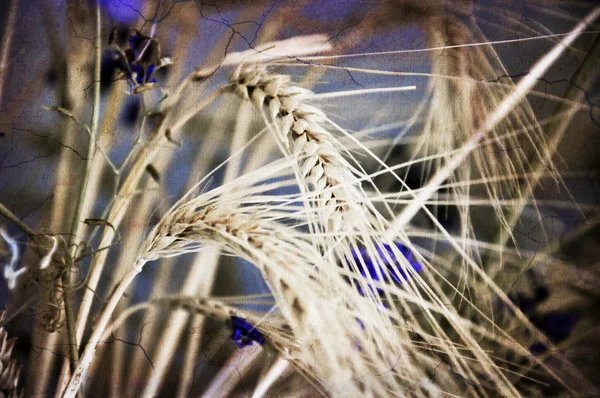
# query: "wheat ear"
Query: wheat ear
300,129
315,300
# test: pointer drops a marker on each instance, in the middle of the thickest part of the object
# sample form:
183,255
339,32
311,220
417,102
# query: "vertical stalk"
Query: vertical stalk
192,350
90,348
116,353
7,41
70,91
83,198
274,373
198,283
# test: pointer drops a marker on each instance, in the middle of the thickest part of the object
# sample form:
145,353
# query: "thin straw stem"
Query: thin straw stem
9,30
84,196
5,211
197,283
90,348
280,366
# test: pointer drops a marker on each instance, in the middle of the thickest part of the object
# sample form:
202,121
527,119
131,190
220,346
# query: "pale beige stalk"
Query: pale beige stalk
7,36
60,212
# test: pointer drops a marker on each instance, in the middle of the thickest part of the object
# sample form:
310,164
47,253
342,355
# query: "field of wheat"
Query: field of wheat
349,198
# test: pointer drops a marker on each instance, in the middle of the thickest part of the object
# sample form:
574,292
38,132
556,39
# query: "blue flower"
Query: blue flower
244,334
538,348
137,56
394,269
556,325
